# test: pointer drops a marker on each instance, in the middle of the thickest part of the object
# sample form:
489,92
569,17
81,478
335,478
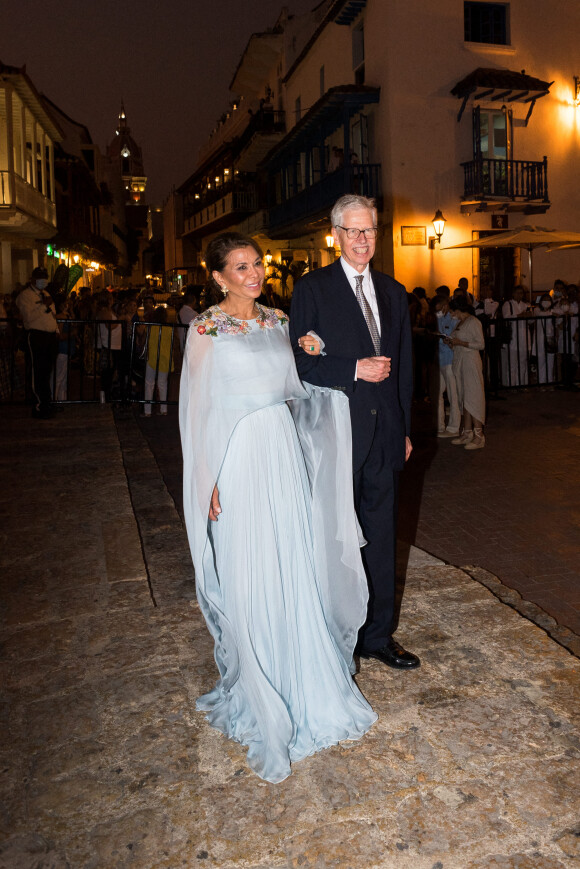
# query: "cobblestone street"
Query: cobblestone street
474,760
512,508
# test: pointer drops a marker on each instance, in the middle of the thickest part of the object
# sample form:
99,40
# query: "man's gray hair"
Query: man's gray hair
349,202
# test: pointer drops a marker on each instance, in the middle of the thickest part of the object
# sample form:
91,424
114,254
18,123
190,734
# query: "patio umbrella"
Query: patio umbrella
527,237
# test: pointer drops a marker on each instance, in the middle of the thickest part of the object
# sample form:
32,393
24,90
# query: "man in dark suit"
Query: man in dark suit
362,317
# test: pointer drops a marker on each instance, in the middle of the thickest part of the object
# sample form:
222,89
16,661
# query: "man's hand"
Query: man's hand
310,345
408,448
373,369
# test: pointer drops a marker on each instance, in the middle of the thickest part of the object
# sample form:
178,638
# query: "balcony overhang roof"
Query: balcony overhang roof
341,12
256,63
349,11
325,116
501,86
214,159
22,84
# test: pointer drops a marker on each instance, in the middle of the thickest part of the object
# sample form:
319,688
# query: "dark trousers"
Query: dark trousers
376,487
42,350
112,362
493,351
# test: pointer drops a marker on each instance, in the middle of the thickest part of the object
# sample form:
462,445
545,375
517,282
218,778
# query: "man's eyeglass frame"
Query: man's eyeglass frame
350,232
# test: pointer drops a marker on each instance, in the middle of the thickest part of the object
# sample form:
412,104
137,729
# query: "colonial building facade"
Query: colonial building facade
469,109
28,135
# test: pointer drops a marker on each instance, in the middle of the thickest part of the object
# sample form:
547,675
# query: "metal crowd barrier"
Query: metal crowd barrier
99,361
538,350
141,364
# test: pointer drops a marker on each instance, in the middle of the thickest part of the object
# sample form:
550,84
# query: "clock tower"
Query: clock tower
127,152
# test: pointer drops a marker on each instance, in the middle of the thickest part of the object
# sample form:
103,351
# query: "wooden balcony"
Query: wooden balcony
510,185
313,203
23,209
217,212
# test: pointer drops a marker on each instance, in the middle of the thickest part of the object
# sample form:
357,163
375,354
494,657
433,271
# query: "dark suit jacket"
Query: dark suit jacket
324,302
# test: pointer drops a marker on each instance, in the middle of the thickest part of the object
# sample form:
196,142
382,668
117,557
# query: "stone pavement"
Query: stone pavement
474,762
512,508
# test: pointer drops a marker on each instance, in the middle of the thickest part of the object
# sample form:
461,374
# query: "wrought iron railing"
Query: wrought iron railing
524,180
363,179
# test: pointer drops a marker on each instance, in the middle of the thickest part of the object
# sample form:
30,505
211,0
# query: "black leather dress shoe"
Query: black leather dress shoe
393,655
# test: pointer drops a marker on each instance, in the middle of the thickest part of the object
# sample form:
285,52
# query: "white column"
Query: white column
34,179
10,130
43,161
6,161
23,140
51,164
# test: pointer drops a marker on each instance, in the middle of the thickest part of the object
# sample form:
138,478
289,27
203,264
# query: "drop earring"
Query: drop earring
224,289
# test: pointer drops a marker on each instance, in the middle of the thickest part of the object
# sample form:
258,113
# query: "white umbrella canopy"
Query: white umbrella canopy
527,237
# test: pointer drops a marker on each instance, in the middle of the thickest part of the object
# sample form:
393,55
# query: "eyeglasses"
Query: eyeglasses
371,232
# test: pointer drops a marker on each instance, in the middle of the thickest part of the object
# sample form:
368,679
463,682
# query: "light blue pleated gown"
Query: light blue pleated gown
283,604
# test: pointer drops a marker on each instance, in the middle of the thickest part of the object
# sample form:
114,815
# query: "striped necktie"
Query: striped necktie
368,315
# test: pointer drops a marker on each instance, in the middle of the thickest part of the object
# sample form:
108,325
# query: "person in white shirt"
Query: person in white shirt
515,354
544,343
362,315
566,309
186,313
110,343
39,320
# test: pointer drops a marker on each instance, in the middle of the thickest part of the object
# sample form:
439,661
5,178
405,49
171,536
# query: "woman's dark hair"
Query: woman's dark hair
220,247
216,257
438,300
460,303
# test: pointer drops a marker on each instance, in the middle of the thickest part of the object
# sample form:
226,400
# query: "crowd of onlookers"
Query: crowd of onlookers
464,348
115,335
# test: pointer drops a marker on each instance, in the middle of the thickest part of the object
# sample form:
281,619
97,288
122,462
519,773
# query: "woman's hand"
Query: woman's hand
457,342
310,345
214,507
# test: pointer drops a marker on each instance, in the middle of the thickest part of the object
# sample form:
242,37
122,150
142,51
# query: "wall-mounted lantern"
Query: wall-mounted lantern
439,226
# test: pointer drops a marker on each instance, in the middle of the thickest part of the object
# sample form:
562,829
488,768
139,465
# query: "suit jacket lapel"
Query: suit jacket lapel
346,299
384,305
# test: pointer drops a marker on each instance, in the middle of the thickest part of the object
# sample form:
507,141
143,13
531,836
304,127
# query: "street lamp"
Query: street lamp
439,227
268,257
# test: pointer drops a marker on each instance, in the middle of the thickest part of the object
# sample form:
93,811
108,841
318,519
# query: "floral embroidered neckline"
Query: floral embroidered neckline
216,322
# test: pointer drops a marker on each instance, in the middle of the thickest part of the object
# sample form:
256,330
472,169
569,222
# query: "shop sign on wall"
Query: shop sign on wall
413,235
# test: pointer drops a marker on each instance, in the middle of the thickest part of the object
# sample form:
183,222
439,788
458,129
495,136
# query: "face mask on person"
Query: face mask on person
41,284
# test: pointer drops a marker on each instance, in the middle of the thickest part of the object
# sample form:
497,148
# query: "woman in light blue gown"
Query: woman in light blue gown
271,524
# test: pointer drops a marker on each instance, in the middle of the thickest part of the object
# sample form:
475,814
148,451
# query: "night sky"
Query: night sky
171,61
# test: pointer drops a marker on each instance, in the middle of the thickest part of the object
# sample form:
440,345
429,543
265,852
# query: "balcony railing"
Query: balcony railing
363,179
523,180
19,196
232,205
